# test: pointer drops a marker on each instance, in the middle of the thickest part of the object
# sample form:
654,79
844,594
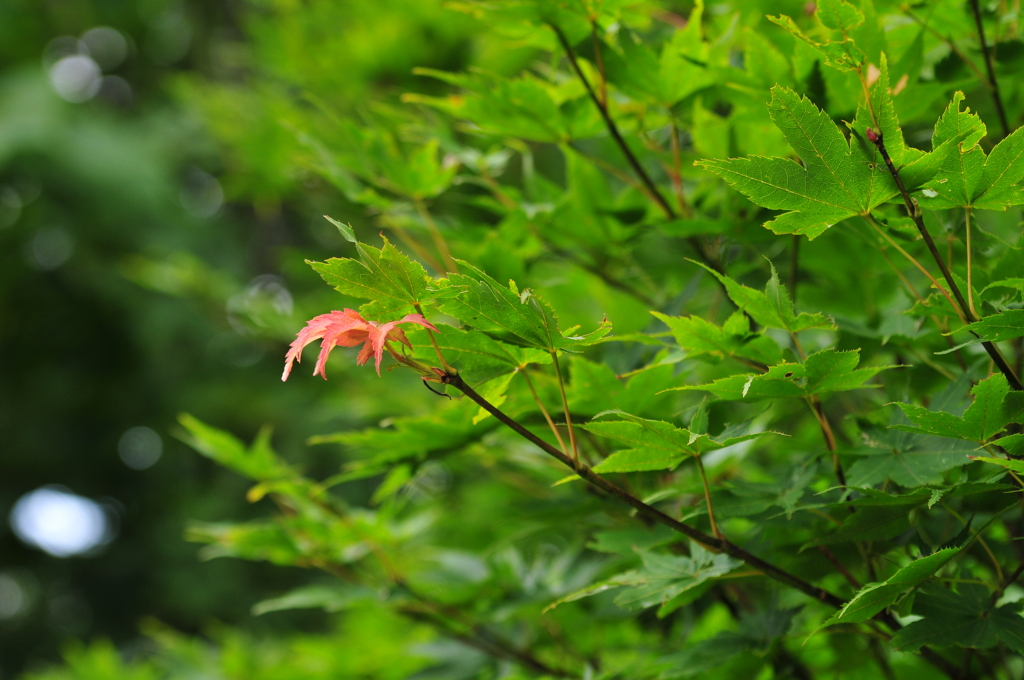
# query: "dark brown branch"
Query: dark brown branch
650,512
653,514
993,83
914,210
840,567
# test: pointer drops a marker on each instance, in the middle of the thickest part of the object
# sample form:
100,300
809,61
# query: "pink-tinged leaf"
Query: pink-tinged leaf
315,329
348,329
389,331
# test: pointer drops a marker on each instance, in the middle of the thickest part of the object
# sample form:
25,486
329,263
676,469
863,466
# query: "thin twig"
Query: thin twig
1006,584
883,663
600,64
913,260
952,45
840,567
544,411
677,171
489,645
990,67
600,272
939,322
613,129
478,636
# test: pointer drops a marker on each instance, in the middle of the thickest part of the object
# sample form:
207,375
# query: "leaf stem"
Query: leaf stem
648,511
565,408
970,265
405,237
544,411
794,267
993,83
915,214
677,171
435,235
939,322
707,498
913,260
433,341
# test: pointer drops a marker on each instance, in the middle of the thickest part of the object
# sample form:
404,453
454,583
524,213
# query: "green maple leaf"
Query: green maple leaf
657,445
993,409
732,339
665,580
672,581
772,308
837,15
969,178
910,459
839,178
257,461
387,277
875,597
822,372
998,327
411,437
476,355
512,315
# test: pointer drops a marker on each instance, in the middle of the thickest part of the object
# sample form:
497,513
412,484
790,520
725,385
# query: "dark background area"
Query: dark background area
145,271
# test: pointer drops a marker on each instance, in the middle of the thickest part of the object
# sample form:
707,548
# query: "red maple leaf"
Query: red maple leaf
348,329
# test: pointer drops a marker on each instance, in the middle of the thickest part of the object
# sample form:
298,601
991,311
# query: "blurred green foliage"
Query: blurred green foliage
543,175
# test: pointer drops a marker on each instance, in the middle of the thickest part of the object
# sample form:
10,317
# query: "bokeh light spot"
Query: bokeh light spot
76,78
49,248
201,194
60,522
106,45
140,448
15,597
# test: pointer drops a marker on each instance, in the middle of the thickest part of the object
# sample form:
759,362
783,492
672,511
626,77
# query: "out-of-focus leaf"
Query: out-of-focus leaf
257,461
963,619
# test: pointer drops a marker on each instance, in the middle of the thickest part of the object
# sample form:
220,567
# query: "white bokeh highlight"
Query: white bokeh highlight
76,78
60,523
